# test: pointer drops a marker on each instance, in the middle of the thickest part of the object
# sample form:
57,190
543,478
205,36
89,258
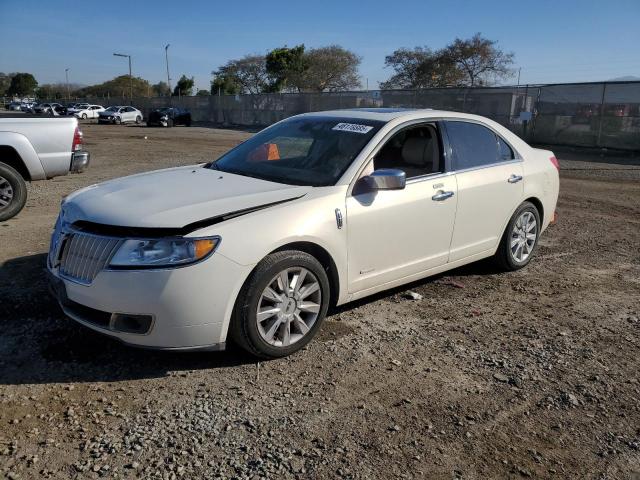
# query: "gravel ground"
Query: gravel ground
483,375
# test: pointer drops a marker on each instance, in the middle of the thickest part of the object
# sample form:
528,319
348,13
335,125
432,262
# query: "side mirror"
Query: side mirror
386,179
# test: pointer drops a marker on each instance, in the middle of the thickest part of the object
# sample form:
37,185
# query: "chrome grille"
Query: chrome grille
84,256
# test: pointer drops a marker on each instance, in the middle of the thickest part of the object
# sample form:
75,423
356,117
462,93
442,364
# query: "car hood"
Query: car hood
110,112
174,198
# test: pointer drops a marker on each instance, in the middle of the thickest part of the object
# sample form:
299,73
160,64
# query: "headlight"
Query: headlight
163,252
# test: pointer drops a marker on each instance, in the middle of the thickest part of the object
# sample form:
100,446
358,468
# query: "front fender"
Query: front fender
249,238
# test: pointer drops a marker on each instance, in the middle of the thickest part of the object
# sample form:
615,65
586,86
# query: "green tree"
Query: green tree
421,68
285,67
5,82
245,75
225,84
203,93
331,68
482,62
161,89
118,87
184,87
22,84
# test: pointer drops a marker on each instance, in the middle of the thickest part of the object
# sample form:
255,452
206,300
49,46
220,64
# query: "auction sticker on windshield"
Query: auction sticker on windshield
352,127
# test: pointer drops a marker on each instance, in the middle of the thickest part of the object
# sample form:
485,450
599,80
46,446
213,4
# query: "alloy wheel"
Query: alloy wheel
6,193
524,236
289,306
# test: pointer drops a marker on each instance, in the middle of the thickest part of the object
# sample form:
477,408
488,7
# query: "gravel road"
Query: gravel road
481,375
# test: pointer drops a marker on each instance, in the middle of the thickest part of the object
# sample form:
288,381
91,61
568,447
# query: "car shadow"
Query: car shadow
40,345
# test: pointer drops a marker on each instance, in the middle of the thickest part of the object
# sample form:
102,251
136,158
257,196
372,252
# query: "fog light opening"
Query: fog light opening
130,323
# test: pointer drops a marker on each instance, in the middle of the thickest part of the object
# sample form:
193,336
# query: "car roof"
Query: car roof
388,114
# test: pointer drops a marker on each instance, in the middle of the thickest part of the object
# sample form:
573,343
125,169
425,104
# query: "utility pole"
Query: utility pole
130,77
66,75
166,56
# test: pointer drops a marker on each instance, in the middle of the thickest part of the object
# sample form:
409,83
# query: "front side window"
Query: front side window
415,150
475,145
314,151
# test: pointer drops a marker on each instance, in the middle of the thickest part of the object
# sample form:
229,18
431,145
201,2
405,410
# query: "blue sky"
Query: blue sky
553,41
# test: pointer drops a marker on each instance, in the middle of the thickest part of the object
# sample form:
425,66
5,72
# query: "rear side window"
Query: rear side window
475,145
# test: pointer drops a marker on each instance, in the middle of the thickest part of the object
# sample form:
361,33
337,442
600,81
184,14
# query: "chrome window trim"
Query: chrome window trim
430,176
488,165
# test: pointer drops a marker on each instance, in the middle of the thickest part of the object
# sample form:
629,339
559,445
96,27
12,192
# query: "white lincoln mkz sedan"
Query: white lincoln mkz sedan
317,210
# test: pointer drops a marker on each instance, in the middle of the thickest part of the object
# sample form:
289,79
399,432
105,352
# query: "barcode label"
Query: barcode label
352,127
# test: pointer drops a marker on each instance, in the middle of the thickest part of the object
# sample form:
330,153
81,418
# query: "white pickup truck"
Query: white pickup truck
36,149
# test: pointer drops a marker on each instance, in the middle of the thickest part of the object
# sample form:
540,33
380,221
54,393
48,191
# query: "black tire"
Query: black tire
138,120
84,116
244,327
188,122
170,123
118,121
11,179
504,257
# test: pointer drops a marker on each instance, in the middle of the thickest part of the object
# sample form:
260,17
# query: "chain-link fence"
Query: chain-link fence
579,114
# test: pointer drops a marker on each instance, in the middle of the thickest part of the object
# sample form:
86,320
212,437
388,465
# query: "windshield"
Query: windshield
312,151
164,110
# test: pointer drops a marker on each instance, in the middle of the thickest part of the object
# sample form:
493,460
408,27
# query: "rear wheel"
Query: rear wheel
13,192
138,120
281,305
520,238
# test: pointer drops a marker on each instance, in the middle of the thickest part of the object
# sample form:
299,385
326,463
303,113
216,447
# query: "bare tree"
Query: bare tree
420,68
248,74
482,62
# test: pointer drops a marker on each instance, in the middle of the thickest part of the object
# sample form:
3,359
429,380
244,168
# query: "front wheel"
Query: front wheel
520,238
281,305
84,116
13,192
118,121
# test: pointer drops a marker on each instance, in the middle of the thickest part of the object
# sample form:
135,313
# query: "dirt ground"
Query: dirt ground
491,375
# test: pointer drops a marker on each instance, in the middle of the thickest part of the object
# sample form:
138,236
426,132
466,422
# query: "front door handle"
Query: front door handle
514,178
441,195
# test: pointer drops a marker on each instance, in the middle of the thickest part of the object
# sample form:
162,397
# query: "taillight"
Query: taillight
554,160
77,140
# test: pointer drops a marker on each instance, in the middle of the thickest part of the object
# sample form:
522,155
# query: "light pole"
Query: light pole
166,56
66,75
130,77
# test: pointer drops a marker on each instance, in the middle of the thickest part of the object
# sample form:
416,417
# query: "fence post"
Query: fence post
604,89
534,116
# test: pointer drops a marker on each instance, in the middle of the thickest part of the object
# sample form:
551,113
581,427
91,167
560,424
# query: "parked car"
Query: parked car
14,106
88,111
321,208
76,107
27,107
169,116
33,149
46,108
120,114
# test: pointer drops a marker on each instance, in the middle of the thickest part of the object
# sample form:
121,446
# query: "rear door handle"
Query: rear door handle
514,178
441,195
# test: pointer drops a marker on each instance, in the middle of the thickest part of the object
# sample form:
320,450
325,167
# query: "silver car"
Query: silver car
120,114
